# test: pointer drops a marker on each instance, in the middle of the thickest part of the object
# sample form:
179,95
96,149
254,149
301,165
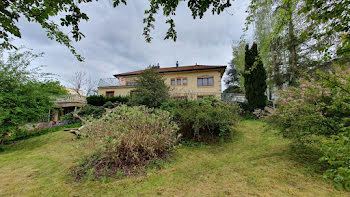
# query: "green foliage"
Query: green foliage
22,134
235,72
336,151
150,89
299,36
318,113
23,98
254,79
198,8
100,100
126,140
334,17
87,111
96,100
204,119
233,89
109,105
42,12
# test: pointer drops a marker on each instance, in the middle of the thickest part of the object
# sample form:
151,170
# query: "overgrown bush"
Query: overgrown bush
109,105
125,140
317,113
100,100
204,119
150,89
87,111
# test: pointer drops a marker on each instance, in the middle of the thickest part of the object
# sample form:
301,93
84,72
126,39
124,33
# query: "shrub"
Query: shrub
88,110
337,154
204,119
118,99
96,100
100,100
127,139
317,114
317,107
109,105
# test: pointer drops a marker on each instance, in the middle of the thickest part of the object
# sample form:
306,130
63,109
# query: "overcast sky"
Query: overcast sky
114,42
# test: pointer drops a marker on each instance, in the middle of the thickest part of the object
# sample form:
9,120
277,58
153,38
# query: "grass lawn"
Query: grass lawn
254,163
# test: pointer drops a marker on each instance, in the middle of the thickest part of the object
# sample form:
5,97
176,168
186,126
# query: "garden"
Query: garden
141,143
289,135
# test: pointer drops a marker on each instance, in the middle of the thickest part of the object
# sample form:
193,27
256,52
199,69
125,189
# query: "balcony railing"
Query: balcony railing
70,99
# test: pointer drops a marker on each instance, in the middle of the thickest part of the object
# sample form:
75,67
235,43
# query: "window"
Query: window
184,81
178,81
109,94
130,83
205,81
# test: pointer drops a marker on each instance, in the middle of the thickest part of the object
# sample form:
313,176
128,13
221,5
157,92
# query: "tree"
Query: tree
151,89
234,74
43,12
333,18
296,37
254,78
233,89
90,86
25,94
80,81
77,81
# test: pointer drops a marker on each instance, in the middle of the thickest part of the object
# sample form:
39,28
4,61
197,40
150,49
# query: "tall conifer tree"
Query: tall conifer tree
254,78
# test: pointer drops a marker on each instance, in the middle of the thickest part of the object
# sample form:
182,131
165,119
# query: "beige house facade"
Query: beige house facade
192,82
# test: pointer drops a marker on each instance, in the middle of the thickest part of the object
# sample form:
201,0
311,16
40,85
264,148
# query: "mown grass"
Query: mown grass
255,163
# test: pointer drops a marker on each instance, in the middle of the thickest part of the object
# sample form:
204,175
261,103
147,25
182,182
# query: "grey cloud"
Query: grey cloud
114,41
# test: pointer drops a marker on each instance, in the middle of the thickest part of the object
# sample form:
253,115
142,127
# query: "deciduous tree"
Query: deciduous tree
25,92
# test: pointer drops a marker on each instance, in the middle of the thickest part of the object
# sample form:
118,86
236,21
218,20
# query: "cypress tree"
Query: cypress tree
254,79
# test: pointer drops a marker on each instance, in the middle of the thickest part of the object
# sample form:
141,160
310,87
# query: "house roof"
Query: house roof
175,69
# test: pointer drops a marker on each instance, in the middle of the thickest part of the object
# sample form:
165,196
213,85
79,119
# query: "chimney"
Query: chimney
177,64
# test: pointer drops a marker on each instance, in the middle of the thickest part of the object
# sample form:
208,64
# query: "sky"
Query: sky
114,42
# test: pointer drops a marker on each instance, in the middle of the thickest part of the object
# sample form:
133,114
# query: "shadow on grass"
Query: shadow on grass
308,157
32,139
25,145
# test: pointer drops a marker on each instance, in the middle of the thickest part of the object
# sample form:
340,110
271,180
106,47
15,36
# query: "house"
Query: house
193,82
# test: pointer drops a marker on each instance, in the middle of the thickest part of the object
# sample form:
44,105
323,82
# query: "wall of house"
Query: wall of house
191,90
118,91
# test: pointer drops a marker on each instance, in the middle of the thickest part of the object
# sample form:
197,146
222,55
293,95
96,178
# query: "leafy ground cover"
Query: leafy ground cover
255,163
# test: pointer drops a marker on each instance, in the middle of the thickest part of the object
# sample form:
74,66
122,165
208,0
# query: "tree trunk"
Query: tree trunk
293,59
